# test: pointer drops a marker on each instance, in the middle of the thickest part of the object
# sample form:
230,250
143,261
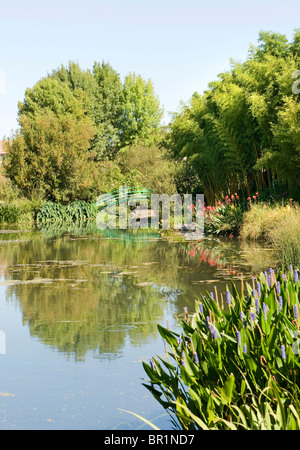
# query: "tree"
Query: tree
108,110
243,132
141,113
51,153
149,167
100,90
51,95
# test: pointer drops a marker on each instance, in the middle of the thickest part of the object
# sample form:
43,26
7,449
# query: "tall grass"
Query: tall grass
286,238
261,219
277,224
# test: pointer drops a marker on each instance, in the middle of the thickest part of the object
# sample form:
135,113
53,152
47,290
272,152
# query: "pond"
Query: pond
79,314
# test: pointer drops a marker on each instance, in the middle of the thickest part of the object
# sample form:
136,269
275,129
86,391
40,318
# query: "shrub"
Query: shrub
234,366
149,167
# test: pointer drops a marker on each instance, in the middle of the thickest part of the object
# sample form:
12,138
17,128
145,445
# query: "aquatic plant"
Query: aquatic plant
80,211
73,213
9,213
224,218
51,212
234,366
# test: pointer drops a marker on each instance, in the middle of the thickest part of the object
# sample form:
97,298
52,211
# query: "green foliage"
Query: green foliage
52,154
51,212
72,125
78,211
234,367
262,218
150,167
9,213
140,112
243,133
225,218
101,92
285,237
277,224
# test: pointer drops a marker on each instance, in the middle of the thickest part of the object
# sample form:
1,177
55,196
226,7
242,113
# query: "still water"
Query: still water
79,314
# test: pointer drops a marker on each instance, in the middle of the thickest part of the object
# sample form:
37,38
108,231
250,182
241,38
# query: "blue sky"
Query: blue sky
180,45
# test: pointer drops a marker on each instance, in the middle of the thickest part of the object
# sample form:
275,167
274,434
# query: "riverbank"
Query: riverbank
274,223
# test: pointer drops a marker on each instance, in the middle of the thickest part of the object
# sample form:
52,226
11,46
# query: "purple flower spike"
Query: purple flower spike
245,348
295,276
278,287
212,295
258,289
265,310
214,332
257,305
228,297
238,335
280,303
296,314
151,364
196,359
282,349
183,359
252,316
201,308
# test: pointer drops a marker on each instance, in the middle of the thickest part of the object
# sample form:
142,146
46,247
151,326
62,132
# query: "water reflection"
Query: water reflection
81,290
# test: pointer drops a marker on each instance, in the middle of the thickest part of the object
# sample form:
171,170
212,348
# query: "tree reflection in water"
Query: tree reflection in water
84,291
